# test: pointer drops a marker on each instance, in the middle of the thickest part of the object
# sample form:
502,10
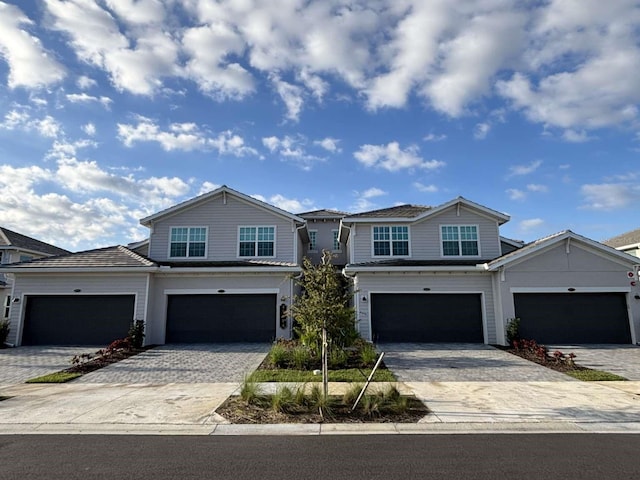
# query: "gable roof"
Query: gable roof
115,257
323,213
9,238
414,213
627,239
555,238
147,221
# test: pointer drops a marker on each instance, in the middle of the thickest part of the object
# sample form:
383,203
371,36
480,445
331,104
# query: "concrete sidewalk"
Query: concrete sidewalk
189,409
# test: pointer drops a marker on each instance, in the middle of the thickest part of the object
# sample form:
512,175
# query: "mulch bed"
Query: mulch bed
237,411
553,364
100,361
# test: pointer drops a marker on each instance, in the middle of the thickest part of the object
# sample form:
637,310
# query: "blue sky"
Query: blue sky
111,110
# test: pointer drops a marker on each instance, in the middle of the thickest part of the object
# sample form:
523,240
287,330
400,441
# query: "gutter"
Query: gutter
453,268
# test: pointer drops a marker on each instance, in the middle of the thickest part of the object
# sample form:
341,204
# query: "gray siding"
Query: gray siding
223,220
554,269
281,283
424,236
415,283
325,228
51,284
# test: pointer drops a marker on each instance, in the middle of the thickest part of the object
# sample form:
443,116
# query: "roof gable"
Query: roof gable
16,240
224,190
626,239
546,242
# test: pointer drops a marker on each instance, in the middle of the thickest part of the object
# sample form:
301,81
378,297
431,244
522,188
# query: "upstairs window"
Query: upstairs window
391,241
313,240
257,242
460,241
336,240
188,242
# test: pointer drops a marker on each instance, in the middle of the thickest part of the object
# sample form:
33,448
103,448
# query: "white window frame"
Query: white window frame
460,255
391,255
187,256
313,245
335,238
7,307
255,249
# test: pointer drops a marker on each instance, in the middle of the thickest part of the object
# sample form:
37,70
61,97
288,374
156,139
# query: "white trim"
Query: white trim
485,333
391,255
256,256
69,270
313,250
427,269
628,247
477,227
223,270
565,289
187,257
23,305
146,308
216,291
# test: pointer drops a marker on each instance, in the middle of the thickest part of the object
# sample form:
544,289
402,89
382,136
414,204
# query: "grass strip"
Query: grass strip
595,376
58,377
345,375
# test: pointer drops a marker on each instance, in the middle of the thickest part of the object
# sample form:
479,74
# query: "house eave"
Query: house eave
97,270
192,270
444,268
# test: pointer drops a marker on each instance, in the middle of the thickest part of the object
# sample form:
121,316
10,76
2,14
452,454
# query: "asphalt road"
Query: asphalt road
442,457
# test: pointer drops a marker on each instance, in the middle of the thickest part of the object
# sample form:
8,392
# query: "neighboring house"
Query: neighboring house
221,268
14,248
323,227
628,242
445,274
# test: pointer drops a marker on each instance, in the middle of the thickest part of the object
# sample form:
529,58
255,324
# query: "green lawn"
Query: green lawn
58,377
595,376
345,375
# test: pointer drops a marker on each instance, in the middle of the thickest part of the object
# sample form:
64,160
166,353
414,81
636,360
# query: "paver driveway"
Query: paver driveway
22,363
461,362
184,363
623,360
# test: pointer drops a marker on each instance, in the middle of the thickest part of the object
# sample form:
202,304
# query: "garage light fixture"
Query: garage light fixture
16,300
637,297
426,289
364,298
77,290
571,289
221,291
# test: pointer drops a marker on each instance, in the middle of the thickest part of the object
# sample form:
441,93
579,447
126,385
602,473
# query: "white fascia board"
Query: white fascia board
79,270
192,270
494,214
454,268
628,247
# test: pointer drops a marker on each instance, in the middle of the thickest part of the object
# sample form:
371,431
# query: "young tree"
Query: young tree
324,302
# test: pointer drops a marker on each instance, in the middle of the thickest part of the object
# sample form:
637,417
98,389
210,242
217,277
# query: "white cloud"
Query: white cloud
530,224
515,194
432,137
30,65
425,188
292,149
85,83
481,131
392,158
519,170
287,204
20,119
208,187
574,136
329,144
373,192
84,98
363,199
183,136
291,95
610,196
89,129
534,187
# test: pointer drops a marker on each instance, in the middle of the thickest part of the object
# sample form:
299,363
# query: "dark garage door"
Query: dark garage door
221,318
433,317
573,317
77,319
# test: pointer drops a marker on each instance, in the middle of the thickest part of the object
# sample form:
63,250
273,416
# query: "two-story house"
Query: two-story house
221,267
14,248
444,274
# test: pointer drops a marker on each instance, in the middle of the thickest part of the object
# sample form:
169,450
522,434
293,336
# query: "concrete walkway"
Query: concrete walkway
462,362
457,407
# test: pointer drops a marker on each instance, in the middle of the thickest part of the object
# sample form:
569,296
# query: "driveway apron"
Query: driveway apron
20,364
623,360
462,362
184,363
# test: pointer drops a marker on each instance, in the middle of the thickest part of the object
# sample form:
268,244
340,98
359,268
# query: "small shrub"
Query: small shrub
301,357
338,358
513,330
282,400
136,334
79,360
300,395
371,405
250,391
352,393
4,331
368,354
279,355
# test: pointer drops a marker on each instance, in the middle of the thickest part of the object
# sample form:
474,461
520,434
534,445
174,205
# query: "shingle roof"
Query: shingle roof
116,256
10,238
328,213
399,211
628,238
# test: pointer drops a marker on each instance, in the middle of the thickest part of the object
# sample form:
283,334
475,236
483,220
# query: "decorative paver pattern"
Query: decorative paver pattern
20,364
462,362
184,363
623,360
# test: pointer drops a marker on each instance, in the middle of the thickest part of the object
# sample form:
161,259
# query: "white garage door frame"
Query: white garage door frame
625,290
483,308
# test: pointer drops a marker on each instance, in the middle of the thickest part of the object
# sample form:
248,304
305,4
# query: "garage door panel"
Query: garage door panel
398,317
221,318
77,319
573,318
